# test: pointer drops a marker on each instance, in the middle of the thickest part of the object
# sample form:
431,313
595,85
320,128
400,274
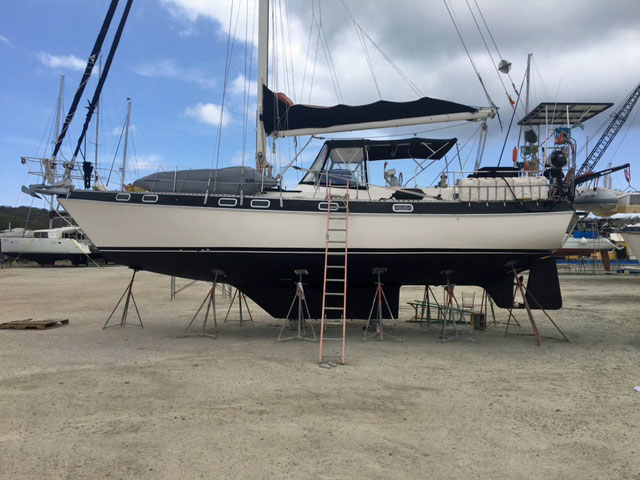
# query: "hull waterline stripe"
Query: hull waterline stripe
318,252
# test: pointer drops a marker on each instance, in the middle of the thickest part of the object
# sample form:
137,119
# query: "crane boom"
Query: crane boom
617,121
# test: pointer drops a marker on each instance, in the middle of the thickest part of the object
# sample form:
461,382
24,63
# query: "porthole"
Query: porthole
325,205
149,198
402,207
123,197
260,203
227,202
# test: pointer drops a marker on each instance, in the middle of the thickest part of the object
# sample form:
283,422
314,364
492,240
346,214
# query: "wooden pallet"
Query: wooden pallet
34,324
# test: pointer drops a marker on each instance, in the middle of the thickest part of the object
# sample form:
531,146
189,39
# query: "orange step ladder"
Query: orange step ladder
334,288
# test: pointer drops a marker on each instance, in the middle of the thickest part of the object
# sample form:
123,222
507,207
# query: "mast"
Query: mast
95,162
52,165
59,110
263,71
526,98
126,144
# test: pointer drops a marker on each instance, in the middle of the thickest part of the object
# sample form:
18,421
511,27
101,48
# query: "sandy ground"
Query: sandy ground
80,402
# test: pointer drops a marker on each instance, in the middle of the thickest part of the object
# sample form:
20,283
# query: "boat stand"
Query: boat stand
485,303
426,301
378,298
128,293
453,312
519,287
241,298
303,309
210,300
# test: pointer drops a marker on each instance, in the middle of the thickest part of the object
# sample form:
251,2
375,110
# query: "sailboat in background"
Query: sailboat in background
479,231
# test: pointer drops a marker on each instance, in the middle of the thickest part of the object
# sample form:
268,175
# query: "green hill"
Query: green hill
17,216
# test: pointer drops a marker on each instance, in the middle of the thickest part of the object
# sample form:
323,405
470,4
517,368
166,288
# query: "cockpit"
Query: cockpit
346,162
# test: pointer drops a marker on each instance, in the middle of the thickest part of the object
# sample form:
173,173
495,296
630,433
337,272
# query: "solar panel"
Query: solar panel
550,113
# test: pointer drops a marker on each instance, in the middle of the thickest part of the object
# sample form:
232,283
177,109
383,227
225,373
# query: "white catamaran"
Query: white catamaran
478,231
49,245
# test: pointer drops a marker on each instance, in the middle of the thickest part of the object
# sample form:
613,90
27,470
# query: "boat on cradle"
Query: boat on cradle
48,246
478,231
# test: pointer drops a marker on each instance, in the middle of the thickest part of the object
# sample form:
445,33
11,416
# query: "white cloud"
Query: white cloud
61,61
239,84
170,69
208,113
5,40
189,11
422,41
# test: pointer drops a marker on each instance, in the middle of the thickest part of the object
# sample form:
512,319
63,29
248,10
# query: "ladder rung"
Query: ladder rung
335,293
336,241
333,308
335,266
336,253
337,229
335,280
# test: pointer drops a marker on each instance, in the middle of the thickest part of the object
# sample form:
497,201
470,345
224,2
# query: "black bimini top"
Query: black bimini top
414,147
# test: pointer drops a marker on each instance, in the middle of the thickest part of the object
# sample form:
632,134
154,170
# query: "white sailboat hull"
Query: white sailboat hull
258,246
119,226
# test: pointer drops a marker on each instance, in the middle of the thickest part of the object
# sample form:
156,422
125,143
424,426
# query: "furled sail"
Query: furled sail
282,118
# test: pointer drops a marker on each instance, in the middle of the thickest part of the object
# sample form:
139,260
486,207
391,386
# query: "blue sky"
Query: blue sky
172,55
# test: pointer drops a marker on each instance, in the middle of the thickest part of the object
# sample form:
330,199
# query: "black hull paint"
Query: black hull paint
267,277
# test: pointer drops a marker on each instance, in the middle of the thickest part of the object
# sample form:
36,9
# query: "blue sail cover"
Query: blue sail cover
281,115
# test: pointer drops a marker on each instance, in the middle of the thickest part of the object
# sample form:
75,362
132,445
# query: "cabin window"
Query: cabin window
325,205
338,166
316,166
149,198
260,203
402,207
123,197
227,202
40,235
